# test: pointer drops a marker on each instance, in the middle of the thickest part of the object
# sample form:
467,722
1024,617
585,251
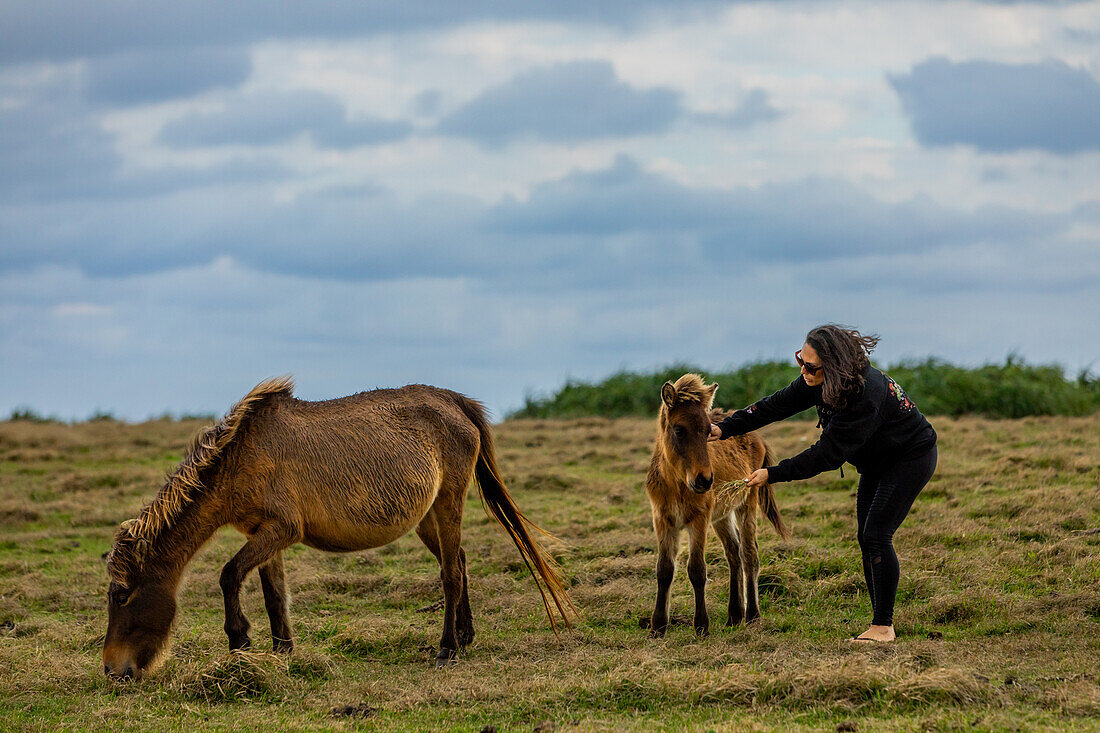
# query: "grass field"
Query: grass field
998,609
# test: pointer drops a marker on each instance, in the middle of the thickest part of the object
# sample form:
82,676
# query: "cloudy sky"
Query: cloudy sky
496,196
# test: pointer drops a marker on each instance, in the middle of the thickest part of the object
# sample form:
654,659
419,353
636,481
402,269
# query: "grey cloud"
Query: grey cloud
340,234
271,118
810,219
50,147
568,102
427,103
59,29
620,199
53,148
754,108
1080,35
573,233
1000,108
139,77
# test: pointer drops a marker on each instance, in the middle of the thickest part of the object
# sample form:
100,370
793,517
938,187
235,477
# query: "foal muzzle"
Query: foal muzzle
702,484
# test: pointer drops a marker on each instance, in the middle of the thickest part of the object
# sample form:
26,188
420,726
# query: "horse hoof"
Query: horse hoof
239,642
734,621
702,631
446,658
656,633
283,646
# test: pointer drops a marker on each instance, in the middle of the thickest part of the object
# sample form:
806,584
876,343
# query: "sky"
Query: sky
496,196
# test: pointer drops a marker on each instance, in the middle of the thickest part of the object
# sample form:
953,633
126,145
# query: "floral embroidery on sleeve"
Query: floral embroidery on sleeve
895,389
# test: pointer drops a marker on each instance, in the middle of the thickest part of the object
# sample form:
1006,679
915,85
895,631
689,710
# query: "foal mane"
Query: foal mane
691,388
182,485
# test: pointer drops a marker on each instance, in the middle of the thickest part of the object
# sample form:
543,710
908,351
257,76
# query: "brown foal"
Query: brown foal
682,472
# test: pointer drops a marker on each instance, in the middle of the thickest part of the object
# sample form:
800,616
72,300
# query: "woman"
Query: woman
866,419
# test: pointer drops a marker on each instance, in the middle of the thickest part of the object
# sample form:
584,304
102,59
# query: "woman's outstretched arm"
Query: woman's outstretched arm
791,400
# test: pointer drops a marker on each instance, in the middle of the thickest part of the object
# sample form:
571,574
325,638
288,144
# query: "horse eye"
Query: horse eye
121,597
679,431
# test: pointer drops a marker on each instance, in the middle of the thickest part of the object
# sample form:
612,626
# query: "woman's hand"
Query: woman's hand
759,477
715,433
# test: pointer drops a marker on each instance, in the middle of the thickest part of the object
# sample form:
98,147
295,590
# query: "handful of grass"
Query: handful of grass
735,490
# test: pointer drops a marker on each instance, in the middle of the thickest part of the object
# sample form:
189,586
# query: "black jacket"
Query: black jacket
879,426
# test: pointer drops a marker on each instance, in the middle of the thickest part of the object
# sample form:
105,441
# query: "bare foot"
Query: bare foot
876,633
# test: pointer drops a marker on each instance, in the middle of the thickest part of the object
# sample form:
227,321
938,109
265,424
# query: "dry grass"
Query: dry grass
998,608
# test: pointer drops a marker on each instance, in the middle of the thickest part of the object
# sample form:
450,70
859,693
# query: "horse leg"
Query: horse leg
273,580
750,559
464,620
668,541
724,528
261,547
697,572
447,514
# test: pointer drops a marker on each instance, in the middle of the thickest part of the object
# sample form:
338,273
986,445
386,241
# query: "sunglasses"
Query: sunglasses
811,368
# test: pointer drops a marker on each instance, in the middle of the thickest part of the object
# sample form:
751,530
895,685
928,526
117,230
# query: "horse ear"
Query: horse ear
710,395
668,394
141,549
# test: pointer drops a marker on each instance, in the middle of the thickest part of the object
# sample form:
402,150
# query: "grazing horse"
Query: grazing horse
681,475
339,475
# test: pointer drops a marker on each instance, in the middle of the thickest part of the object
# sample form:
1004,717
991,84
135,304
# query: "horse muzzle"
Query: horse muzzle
119,665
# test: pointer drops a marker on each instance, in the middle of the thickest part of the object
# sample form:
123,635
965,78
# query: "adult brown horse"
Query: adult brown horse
683,470
339,475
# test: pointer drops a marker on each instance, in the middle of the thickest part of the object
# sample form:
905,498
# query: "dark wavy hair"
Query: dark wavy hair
843,353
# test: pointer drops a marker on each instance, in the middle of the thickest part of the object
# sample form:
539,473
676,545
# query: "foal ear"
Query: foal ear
668,394
708,396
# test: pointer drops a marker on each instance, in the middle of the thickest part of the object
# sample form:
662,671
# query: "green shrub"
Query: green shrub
1012,389
26,414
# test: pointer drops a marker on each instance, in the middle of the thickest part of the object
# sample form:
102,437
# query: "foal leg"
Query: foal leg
724,528
668,541
261,547
464,619
750,559
697,572
273,581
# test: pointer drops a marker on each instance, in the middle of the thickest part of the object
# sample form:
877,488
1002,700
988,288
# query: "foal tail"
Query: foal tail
771,510
499,504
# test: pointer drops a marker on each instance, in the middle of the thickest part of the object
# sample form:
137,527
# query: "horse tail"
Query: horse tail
498,504
771,510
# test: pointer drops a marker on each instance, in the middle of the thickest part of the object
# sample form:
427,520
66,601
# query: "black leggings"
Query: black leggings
884,498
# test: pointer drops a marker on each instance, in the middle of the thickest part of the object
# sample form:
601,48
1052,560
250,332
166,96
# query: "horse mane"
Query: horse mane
182,485
691,388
